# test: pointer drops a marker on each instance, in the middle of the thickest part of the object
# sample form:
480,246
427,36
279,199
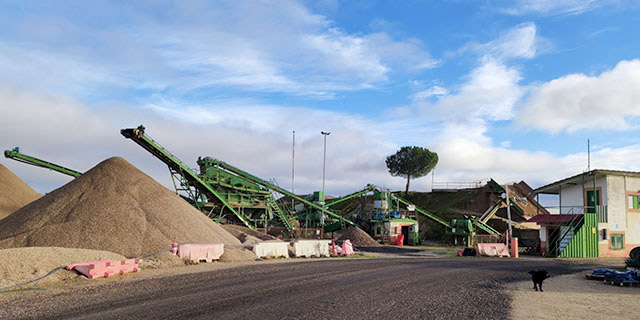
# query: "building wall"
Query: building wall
573,195
620,219
633,218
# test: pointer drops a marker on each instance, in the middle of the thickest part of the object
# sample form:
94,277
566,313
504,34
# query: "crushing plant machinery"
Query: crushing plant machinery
15,154
227,193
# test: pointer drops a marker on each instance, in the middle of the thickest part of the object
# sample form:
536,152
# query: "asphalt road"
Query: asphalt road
393,288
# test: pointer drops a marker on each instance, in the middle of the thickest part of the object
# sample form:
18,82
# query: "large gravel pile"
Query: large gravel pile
14,193
113,207
18,265
359,238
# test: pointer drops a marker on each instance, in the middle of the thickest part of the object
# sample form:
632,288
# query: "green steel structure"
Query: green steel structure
584,242
225,192
21,157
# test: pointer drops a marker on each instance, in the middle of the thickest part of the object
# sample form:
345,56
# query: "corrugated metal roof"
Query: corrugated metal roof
549,187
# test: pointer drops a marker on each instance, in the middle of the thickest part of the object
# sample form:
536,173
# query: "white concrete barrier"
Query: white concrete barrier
197,252
311,248
269,249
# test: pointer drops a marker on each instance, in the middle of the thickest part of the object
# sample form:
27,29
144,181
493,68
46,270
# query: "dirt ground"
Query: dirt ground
573,297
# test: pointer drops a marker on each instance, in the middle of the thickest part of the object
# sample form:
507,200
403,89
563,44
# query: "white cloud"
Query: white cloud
67,132
521,41
265,46
552,7
432,91
608,101
489,93
518,42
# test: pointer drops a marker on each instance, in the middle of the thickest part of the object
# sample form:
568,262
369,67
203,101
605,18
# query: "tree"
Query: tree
411,162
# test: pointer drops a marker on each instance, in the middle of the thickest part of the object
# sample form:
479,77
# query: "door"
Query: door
593,199
553,234
405,232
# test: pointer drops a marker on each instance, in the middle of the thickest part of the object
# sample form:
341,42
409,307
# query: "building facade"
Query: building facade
611,197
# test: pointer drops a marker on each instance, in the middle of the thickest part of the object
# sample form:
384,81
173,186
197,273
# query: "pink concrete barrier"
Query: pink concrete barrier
198,252
347,248
105,268
493,249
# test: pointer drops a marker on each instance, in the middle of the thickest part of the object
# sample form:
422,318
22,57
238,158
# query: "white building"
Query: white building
615,202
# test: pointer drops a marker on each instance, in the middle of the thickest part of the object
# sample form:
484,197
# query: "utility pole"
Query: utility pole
506,187
293,170
324,165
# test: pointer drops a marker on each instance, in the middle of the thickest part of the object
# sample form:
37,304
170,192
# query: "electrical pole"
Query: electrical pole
293,170
506,187
324,165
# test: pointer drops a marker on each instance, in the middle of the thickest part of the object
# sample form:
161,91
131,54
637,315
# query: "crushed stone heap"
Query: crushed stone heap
359,238
113,207
14,193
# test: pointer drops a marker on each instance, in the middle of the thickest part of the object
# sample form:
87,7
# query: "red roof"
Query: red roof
554,218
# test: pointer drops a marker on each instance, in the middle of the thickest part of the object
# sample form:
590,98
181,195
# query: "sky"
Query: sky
509,90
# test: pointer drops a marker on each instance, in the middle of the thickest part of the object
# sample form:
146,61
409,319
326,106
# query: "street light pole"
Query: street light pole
324,166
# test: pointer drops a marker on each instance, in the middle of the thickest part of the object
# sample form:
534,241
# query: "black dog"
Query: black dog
537,276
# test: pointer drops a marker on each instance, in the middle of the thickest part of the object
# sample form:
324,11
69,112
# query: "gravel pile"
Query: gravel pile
237,254
113,207
235,228
246,239
359,238
14,193
165,260
18,265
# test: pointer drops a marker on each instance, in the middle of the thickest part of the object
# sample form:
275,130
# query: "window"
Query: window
617,241
603,234
632,202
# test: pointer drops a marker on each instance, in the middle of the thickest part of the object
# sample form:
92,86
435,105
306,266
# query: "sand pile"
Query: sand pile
113,207
24,264
237,254
359,238
14,193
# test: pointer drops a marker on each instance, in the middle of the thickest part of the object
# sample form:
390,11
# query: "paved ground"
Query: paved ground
414,288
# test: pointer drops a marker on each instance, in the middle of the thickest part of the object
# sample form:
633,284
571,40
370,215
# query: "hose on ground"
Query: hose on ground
32,281
60,268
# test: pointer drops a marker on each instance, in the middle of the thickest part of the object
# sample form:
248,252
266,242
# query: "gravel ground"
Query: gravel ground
581,299
415,288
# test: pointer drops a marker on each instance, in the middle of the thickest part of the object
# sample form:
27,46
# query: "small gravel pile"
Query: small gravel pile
165,260
14,193
237,254
231,227
359,238
243,237
18,265
113,207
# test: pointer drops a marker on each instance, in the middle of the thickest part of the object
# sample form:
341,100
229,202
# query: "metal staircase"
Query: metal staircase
579,239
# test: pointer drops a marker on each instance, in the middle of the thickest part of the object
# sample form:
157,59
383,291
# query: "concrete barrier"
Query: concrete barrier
493,249
347,248
105,268
268,249
200,252
311,248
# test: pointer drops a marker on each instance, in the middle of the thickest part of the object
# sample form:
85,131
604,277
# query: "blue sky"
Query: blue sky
504,89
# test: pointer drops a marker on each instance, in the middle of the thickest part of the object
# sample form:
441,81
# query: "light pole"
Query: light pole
324,166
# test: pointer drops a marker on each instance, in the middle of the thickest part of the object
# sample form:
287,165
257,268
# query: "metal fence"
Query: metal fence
601,211
459,185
